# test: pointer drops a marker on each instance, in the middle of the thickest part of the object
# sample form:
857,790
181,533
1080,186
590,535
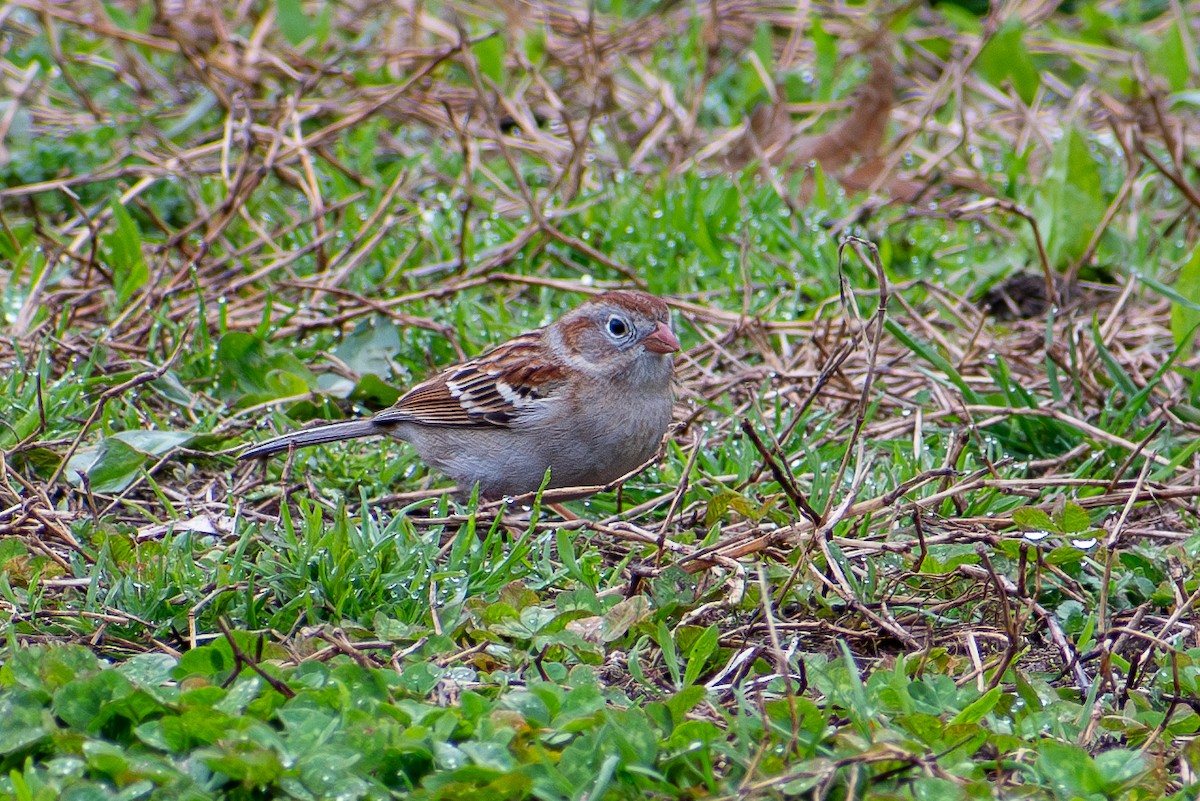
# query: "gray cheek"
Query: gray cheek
653,369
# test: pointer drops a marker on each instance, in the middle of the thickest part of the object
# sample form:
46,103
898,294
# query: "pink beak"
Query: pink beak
661,340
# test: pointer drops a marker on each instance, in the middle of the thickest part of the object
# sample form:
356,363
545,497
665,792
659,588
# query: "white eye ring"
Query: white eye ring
617,327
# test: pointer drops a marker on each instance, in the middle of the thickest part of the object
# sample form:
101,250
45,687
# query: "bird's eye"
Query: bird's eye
617,327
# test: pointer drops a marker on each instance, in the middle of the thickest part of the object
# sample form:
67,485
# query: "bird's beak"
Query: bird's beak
661,340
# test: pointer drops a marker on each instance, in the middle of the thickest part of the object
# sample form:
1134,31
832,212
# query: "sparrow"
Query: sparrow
587,397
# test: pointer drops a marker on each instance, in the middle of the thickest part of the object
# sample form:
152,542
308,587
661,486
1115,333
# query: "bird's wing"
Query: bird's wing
493,390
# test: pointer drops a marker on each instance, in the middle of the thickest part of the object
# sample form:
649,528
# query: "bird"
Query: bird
588,397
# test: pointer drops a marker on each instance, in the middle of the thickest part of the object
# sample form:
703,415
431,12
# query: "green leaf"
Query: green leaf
825,61
1033,519
632,732
21,428
78,704
153,442
977,709
370,347
1064,555
529,621
723,501
699,654
1027,692
1069,769
1005,58
23,722
1117,766
106,759
48,669
210,661
149,672
172,389
489,53
252,371
110,467
534,42
1190,97
564,544
11,548
374,391
293,23
1169,293
123,249
1169,59
635,662
247,762
754,90
1069,200
927,352
1116,371
1185,311
931,788
196,727
1073,519
118,460
684,701
670,655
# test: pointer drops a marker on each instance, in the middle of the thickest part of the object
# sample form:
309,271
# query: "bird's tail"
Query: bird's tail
351,429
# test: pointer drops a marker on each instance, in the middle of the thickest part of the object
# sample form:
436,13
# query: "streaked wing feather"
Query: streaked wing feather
430,403
491,391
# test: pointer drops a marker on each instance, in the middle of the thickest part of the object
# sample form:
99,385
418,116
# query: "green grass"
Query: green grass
998,601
